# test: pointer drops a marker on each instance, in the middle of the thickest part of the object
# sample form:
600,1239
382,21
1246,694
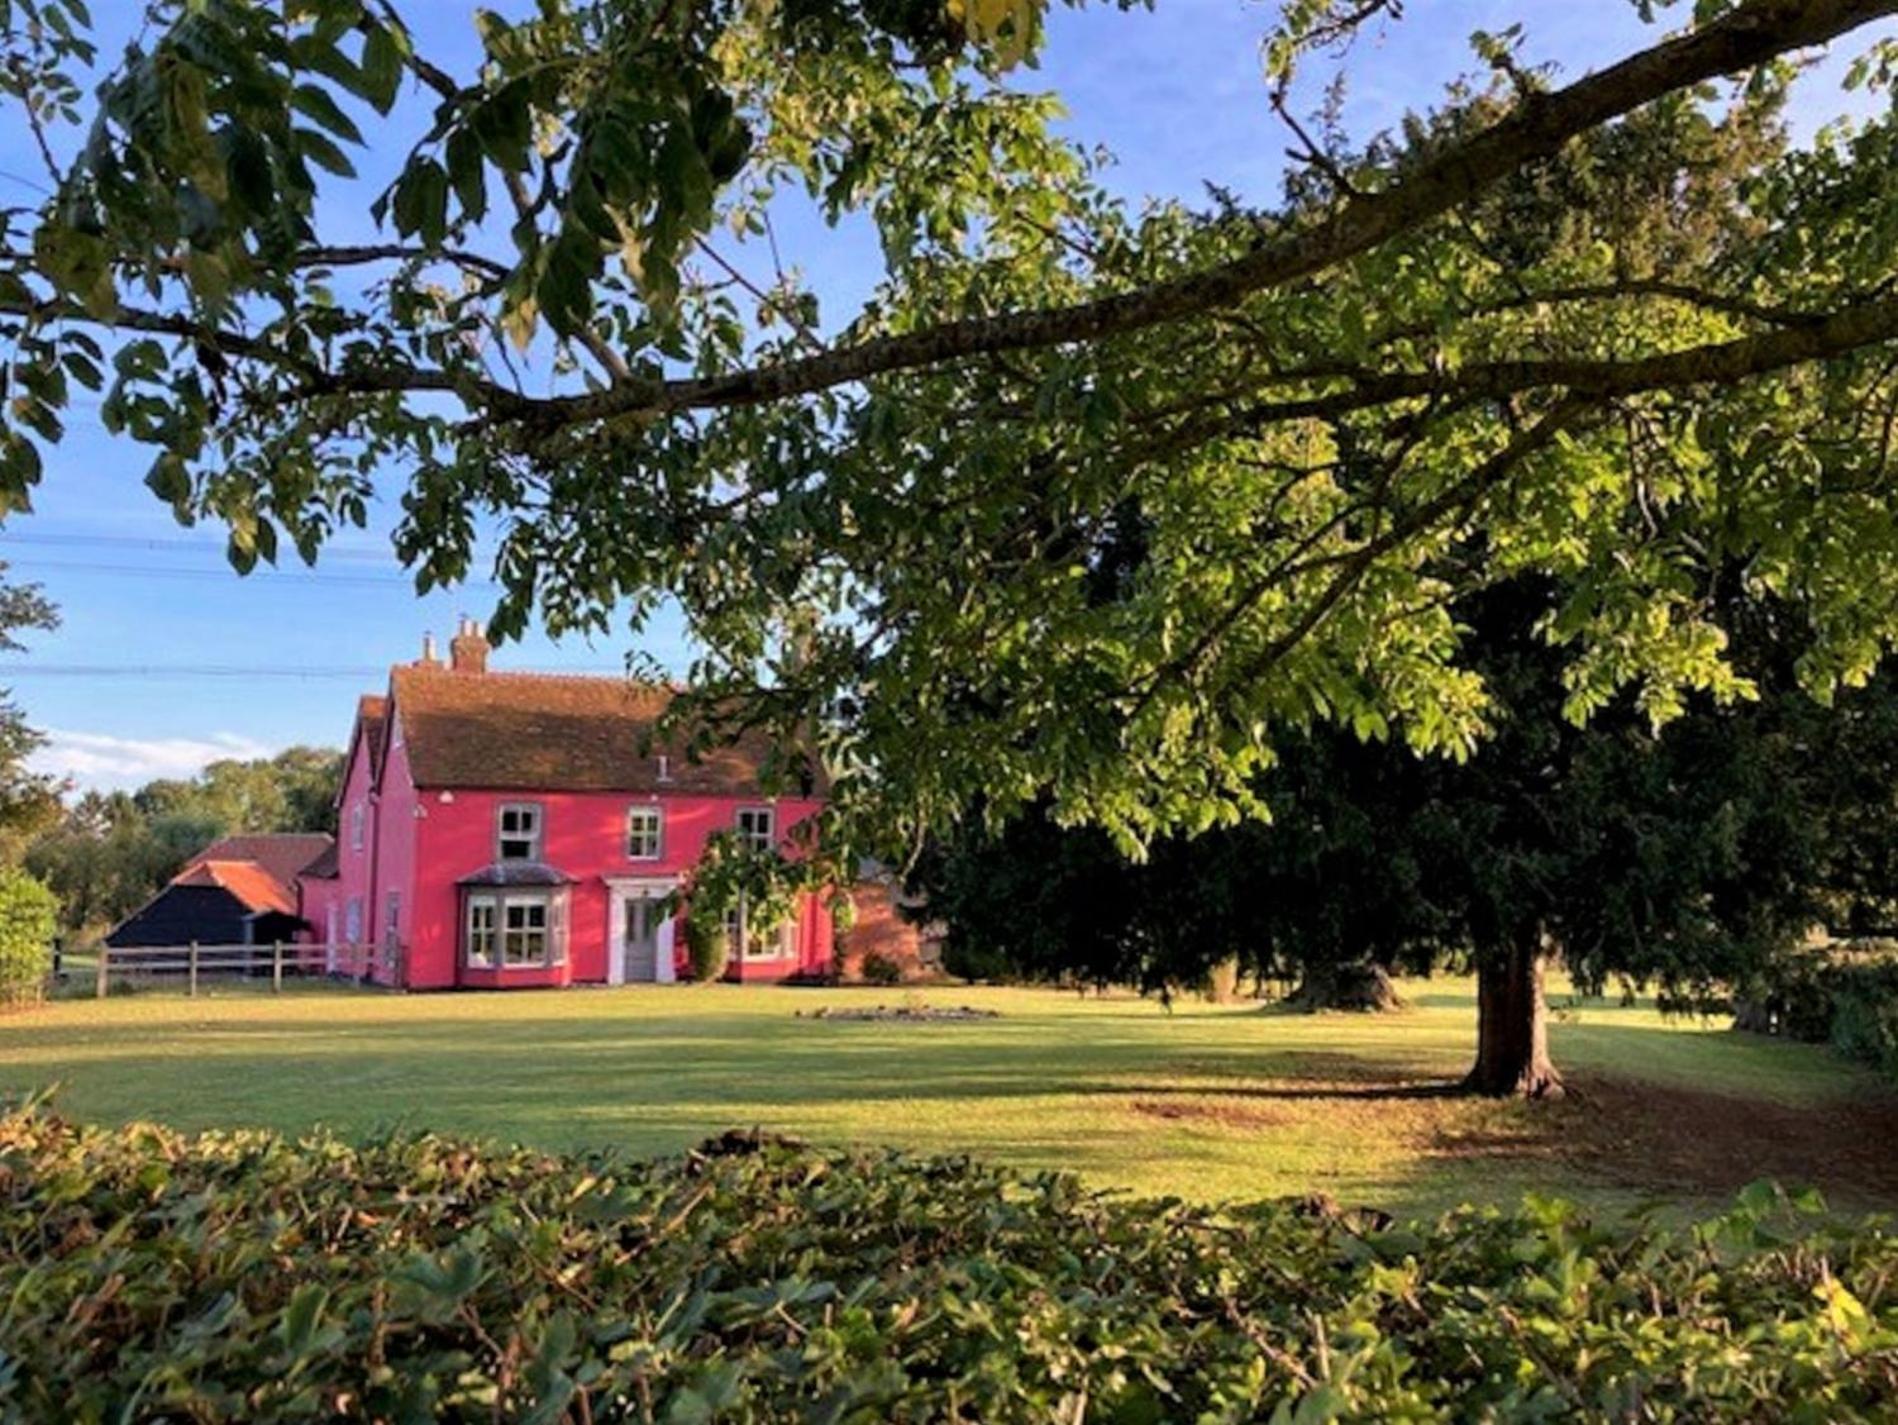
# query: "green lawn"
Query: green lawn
1203,1101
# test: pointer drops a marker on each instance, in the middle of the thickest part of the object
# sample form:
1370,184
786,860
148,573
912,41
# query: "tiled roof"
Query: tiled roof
517,873
324,867
545,732
372,711
283,855
255,887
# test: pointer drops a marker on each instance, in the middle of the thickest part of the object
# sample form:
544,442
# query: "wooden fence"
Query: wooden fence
251,964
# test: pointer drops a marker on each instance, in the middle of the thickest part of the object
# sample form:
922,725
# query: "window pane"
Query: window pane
518,832
481,933
524,931
642,833
755,828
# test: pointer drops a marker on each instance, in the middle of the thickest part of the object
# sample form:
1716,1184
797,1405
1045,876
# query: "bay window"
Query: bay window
481,932
515,929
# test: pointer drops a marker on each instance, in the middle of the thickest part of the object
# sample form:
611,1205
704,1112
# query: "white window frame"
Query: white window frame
653,813
665,768
750,838
352,921
780,944
536,839
392,917
357,816
479,934
486,932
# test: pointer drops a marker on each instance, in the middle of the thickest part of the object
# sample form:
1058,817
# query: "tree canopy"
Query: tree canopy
1614,329
1686,859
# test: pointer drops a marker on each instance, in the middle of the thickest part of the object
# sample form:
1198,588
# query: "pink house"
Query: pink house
502,830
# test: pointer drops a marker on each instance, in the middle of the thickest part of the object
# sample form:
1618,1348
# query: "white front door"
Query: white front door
640,934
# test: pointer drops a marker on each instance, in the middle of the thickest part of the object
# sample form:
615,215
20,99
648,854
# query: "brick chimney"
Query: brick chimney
468,649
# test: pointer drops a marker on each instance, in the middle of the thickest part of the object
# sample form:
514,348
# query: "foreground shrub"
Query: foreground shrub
29,919
876,968
149,1276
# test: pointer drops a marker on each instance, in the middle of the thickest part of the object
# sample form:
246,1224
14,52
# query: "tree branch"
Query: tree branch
1753,33
1720,363
356,256
1458,496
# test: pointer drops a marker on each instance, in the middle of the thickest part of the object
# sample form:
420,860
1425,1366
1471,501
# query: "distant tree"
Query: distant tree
29,801
109,852
291,791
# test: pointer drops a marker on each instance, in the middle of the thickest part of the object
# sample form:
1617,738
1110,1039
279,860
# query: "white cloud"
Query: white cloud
98,760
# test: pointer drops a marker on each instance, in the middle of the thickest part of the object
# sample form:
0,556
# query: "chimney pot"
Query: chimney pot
468,650
429,660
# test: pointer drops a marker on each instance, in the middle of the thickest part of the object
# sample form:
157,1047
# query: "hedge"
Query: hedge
146,1275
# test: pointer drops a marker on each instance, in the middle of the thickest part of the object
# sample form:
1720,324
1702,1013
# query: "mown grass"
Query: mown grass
1202,1101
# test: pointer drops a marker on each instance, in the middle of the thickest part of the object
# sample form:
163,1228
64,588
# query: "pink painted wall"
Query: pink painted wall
395,846
315,899
355,864
584,836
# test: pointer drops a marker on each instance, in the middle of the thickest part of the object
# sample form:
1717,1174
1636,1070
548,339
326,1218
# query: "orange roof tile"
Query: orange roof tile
253,886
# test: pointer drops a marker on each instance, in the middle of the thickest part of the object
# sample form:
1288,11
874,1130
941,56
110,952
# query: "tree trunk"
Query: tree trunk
1362,986
1512,1025
1222,981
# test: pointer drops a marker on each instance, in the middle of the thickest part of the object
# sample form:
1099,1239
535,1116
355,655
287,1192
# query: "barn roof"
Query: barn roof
324,867
284,855
254,887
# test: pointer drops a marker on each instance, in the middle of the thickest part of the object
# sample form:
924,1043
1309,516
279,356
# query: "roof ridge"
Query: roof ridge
260,835
548,675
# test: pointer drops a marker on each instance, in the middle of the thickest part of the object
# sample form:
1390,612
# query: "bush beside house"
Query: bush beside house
708,946
29,919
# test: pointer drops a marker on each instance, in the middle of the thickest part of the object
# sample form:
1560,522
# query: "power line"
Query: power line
34,563
176,670
165,542
227,670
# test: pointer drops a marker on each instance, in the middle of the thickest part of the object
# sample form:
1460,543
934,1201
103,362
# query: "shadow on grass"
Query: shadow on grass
1364,1106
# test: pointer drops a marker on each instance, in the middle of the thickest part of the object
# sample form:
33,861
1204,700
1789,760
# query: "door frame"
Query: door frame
619,891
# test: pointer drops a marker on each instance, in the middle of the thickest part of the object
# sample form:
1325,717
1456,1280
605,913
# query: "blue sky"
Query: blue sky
1175,93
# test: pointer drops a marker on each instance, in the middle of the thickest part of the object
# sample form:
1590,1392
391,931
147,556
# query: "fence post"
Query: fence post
193,965
99,972
276,966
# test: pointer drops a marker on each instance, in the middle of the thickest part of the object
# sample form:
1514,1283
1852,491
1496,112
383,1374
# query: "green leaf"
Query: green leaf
320,151
315,103
467,173
381,65
421,201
